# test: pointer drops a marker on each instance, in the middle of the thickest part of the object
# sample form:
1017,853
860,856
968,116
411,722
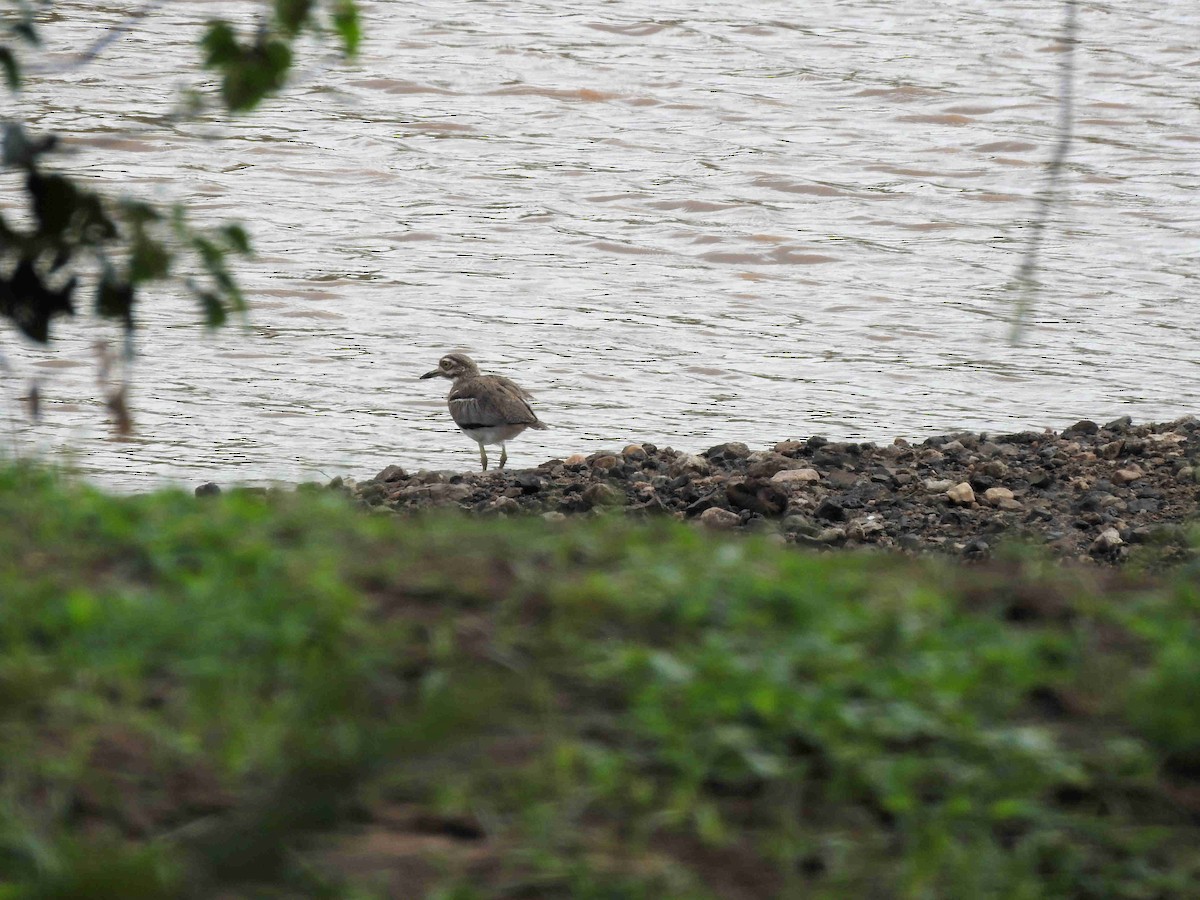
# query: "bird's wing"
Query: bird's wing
510,386
490,400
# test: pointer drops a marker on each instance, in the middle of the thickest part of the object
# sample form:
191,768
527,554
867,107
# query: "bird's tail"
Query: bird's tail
539,425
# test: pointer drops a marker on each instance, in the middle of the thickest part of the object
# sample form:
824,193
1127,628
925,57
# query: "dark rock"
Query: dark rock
764,465
1041,480
883,476
827,457
696,508
392,473
800,525
731,451
982,482
529,483
1022,437
1083,426
1119,425
208,489
757,495
831,510
977,548
841,479
600,494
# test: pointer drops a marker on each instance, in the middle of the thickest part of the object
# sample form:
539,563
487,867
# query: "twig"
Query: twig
101,43
1026,278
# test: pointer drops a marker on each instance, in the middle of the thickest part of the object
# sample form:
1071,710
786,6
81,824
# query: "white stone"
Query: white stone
1128,474
1107,540
961,494
715,517
796,476
689,462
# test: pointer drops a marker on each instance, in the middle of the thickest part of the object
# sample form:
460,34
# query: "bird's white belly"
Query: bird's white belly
493,434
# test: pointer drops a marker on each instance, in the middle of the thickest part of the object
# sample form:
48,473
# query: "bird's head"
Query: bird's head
454,365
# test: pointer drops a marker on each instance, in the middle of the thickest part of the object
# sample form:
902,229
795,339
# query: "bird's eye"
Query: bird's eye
445,363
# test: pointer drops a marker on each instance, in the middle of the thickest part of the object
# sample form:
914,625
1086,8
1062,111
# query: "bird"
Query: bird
489,409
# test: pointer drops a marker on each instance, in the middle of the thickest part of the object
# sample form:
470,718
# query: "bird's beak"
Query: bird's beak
434,374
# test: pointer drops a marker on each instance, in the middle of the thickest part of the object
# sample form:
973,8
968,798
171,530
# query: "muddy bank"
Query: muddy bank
1091,491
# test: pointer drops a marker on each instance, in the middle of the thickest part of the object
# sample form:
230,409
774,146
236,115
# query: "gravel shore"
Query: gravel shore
1089,492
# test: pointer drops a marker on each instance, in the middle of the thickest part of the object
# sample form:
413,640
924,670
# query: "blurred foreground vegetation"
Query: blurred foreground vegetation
283,696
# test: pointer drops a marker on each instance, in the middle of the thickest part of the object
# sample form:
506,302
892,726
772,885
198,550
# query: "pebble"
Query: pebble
961,494
506,505
1108,539
994,495
1128,474
765,465
721,519
995,468
796,476
690,462
600,494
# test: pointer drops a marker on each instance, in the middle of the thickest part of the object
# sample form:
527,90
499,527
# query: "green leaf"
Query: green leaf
148,259
31,303
220,45
12,70
238,240
95,226
256,72
114,299
55,200
292,15
138,212
209,252
346,24
27,32
214,310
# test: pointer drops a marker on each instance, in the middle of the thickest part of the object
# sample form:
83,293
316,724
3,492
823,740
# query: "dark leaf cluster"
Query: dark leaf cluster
124,243
74,235
252,68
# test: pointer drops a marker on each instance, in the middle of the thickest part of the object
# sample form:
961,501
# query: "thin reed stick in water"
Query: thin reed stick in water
1026,282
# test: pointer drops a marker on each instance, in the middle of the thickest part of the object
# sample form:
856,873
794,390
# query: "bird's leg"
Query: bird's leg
503,455
483,457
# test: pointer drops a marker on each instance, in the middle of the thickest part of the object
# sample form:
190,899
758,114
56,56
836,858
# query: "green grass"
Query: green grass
286,696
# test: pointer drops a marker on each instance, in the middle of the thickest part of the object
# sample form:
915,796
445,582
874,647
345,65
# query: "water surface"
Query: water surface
710,223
